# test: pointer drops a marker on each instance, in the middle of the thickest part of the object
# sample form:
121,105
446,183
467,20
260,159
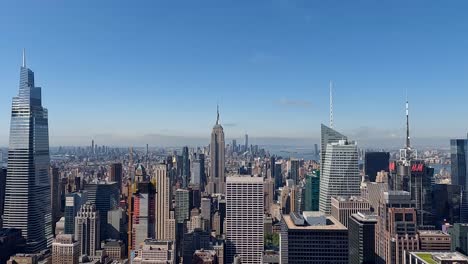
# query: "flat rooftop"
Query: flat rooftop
336,225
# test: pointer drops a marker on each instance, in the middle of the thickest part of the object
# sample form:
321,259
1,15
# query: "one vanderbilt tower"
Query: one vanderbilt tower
27,197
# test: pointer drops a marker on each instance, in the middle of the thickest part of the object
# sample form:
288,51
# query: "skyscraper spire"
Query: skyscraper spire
408,143
217,112
331,104
24,58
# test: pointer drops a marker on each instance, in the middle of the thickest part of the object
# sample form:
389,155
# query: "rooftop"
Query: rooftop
332,224
438,257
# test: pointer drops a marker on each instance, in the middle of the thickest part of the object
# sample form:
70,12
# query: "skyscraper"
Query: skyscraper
312,192
246,143
181,206
278,175
87,229
54,195
361,233
27,197
73,203
185,167
244,218
217,178
143,213
3,173
340,173
328,135
294,172
116,174
375,162
162,201
458,155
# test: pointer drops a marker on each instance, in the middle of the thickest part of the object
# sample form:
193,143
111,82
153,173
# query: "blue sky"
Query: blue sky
125,71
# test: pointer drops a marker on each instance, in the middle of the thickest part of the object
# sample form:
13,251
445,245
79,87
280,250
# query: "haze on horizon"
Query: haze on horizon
153,73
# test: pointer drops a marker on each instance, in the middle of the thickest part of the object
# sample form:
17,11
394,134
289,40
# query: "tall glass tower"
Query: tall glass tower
459,156
27,197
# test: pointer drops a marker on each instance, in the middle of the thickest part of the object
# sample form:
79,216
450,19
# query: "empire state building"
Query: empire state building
217,182
27,196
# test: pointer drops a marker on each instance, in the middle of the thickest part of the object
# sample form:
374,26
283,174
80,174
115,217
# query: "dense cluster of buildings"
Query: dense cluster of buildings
225,203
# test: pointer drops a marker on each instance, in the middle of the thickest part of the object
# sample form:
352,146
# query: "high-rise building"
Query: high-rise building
312,238
328,136
197,171
246,143
446,204
105,196
278,175
143,213
54,194
269,194
361,233
185,167
459,237
65,250
217,182
3,173
459,155
87,229
312,192
73,203
205,209
340,173
162,200
374,163
396,230
27,195
195,240
294,172
116,174
244,218
182,206
343,207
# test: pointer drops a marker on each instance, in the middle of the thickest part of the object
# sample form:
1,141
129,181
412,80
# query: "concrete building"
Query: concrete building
361,233
65,250
434,240
313,238
428,257
343,207
115,249
244,218
87,225
204,257
217,181
162,201
143,213
155,251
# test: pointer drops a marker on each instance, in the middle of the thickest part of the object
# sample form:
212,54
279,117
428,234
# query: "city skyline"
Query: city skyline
101,85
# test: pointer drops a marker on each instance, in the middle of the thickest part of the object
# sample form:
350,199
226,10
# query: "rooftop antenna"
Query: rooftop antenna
408,143
24,58
331,104
217,114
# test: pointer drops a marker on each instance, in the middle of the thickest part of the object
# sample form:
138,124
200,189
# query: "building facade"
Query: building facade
217,182
87,225
361,233
65,250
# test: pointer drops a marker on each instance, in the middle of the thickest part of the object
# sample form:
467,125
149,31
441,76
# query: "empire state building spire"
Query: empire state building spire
217,116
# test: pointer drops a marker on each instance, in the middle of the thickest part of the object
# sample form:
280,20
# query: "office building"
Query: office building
11,242
116,174
197,171
217,182
396,230
185,167
278,175
117,222
182,205
340,173
162,201
312,238
73,203
155,251
205,209
361,233
65,250
343,207
3,174
312,191
446,204
269,194
205,257
105,196
54,194
246,143
375,162
459,237
195,240
27,194
143,213
87,225
458,156
434,240
115,249
294,172
327,136
244,218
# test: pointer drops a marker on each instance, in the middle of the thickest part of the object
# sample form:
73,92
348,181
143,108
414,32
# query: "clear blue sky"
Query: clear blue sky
121,70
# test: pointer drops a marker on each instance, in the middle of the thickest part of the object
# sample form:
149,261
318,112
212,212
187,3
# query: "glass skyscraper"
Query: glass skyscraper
458,154
27,197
